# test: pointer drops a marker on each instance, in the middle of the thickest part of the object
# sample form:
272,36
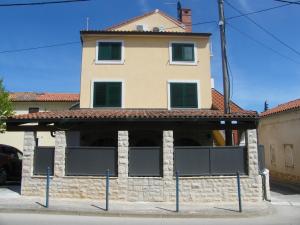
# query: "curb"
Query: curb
259,213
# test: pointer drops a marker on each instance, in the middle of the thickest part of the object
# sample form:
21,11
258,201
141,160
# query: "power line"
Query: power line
40,47
289,2
68,43
42,3
265,30
262,44
238,16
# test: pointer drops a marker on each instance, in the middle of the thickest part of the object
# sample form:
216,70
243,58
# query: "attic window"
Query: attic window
109,52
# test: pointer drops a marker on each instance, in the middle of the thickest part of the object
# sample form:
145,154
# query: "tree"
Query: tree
6,108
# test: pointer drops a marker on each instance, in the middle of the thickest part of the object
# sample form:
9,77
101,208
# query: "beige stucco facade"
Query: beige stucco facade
16,139
279,133
156,19
146,69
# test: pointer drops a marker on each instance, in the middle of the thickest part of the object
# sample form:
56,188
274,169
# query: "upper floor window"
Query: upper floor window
109,52
183,95
107,94
183,53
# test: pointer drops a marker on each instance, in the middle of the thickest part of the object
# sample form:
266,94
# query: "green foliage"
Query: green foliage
6,108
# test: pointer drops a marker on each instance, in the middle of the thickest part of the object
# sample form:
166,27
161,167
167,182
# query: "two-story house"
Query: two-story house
145,112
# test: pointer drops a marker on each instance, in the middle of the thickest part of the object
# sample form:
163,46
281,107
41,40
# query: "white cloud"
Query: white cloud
144,5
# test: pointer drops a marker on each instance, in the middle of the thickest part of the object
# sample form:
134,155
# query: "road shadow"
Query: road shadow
98,207
40,204
225,209
168,210
12,186
284,189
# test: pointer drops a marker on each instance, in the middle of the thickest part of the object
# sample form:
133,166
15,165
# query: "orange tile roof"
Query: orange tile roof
218,102
43,97
145,15
292,105
132,114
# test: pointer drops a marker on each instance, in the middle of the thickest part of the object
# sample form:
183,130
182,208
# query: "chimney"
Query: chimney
185,17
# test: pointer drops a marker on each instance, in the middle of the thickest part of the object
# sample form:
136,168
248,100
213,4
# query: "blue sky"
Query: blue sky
257,73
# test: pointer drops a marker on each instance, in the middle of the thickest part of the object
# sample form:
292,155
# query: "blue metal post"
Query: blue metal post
47,187
239,190
107,190
177,191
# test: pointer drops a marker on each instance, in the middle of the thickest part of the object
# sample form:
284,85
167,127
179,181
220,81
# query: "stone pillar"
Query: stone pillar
252,153
168,151
168,165
27,161
59,155
123,144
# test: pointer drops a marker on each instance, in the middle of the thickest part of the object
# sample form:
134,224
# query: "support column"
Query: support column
168,166
123,144
252,153
59,155
27,161
168,151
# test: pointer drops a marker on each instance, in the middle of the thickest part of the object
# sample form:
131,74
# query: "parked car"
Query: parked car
10,164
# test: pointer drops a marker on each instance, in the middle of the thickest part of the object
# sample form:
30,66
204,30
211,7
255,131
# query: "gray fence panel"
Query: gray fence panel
43,158
91,161
192,161
145,161
228,160
261,158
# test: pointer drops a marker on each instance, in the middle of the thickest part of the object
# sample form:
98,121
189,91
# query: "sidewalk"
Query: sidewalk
21,204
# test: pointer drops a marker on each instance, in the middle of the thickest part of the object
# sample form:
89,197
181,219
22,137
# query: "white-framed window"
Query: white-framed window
183,53
107,94
184,94
109,52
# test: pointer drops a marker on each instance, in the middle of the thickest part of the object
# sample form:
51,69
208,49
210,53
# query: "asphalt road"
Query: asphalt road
286,215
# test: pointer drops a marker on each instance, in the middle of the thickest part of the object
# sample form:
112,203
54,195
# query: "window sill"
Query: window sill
89,177
183,63
108,62
209,177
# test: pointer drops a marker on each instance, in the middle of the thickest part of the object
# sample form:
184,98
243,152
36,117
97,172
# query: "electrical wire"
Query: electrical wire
69,43
264,29
261,43
289,2
40,47
42,3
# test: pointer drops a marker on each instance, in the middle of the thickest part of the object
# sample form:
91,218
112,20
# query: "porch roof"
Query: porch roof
132,114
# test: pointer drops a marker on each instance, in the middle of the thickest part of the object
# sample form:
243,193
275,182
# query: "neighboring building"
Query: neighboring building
31,102
279,132
146,111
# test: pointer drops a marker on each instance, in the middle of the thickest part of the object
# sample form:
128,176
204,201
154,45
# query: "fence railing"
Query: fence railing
213,161
43,158
145,161
91,161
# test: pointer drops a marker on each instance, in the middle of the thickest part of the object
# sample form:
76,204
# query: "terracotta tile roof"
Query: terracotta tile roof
145,15
218,102
132,114
292,105
43,97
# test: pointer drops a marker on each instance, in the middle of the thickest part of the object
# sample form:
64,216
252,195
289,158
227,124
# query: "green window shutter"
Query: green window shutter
183,52
107,94
109,50
184,95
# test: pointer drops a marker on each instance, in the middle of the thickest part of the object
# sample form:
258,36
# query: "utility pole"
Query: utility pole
228,132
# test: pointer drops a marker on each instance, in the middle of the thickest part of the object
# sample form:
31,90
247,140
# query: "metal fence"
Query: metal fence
145,161
91,161
43,158
201,161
